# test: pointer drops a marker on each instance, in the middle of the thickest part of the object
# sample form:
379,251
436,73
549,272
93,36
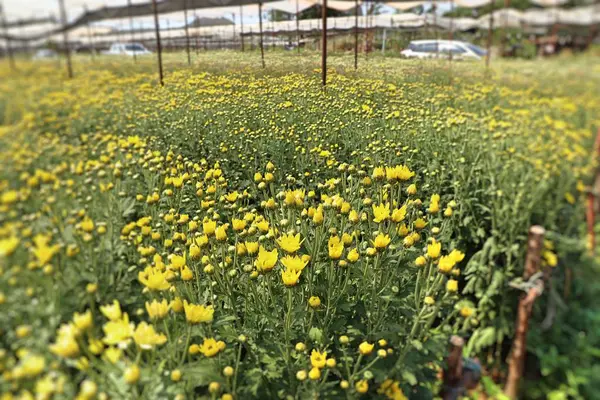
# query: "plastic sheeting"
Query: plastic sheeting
403,6
511,18
289,6
471,3
549,3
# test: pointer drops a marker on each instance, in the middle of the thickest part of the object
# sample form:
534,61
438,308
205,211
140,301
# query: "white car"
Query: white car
443,48
44,54
127,49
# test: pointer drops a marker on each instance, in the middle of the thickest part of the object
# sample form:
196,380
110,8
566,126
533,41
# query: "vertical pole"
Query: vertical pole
158,45
435,27
197,26
366,25
262,50
63,21
383,41
453,373
504,28
324,46
233,45
489,38
451,31
11,59
90,37
355,35
516,359
187,31
242,27
298,26
132,29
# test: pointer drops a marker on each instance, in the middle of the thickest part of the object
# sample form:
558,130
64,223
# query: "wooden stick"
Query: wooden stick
516,360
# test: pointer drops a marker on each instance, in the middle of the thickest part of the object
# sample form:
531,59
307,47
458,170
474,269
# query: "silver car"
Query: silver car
127,49
443,48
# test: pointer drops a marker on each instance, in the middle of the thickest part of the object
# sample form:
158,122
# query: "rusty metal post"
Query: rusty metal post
9,53
516,359
158,45
63,21
324,47
453,374
355,35
489,38
260,26
187,31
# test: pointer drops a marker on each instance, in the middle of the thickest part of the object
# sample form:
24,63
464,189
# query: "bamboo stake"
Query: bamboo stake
516,360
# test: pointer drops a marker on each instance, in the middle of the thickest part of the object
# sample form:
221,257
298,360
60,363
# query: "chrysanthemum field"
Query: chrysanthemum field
243,233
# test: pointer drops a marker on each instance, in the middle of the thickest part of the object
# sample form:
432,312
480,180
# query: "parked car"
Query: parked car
443,48
45,54
127,49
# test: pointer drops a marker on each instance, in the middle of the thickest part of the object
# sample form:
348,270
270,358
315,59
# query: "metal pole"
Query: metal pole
297,27
489,38
324,46
132,30
187,31
63,21
366,28
262,50
504,29
158,46
197,33
242,26
356,35
383,41
435,29
90,37
451,32
11,59
233,45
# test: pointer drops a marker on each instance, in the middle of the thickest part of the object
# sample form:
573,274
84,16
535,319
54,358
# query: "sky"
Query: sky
40,8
